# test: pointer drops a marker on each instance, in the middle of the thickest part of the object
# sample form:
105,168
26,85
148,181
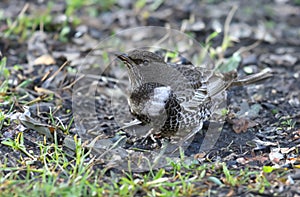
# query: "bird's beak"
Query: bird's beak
125,58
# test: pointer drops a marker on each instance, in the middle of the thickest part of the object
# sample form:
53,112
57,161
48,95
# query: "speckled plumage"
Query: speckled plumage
172,97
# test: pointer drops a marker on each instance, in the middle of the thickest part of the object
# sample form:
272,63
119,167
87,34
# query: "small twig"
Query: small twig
227,25
36,100
163,38
248,48
24,9
130,124
103,78
73,83
46,75
56,72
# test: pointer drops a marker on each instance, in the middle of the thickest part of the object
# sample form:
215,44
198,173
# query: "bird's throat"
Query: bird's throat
135,78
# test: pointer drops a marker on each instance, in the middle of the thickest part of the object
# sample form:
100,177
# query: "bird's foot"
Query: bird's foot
149,141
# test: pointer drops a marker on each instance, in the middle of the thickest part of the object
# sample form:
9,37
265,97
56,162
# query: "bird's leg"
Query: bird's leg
149,134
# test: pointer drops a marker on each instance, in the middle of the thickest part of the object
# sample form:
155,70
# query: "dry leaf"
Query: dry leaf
241,125
44,59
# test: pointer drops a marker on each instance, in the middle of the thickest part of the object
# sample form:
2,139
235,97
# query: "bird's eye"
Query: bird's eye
146,62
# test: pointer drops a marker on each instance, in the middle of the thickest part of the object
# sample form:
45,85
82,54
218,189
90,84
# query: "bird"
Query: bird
175,98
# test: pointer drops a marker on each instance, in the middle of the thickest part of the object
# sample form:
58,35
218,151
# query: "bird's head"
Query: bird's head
139,63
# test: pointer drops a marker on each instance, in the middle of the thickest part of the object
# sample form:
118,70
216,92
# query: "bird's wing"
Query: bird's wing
205,85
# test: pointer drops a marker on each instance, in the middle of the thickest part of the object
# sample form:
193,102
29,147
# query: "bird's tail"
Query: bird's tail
266,73
219,83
